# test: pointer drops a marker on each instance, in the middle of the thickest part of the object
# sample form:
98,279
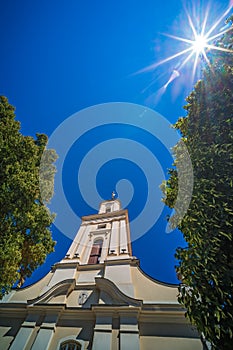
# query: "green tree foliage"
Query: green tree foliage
206,264
25,237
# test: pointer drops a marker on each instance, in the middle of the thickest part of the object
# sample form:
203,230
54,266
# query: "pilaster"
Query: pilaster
129,332
45,333
102,339
25,334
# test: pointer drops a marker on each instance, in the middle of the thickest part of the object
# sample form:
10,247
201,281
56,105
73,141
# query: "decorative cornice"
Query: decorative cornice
132,261
66,263
114,215
102,232
116,310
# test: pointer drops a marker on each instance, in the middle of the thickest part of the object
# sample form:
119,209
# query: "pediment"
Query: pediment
62,288
110,294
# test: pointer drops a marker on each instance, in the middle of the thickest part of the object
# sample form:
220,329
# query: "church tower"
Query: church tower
97,297
101,247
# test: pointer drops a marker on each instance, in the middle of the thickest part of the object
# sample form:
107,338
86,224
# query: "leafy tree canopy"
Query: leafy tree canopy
25,237
206,264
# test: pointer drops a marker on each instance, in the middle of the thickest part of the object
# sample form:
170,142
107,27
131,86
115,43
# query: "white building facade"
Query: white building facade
97,298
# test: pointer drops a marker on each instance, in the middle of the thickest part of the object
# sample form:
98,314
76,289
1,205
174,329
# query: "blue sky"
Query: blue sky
59,57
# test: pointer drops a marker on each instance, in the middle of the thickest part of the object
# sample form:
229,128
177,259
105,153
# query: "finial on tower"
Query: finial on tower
113,194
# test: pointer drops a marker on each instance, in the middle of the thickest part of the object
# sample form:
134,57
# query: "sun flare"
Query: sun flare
198,44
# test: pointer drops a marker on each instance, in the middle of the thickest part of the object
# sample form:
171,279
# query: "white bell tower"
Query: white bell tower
101,248
103,236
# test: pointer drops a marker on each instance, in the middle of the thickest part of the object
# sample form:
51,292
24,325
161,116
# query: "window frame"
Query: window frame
72,340
96,242
101,226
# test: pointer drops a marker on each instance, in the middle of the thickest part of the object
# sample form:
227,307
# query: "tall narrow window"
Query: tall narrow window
96,252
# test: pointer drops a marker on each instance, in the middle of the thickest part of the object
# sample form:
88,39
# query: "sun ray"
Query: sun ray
219,20
191,25
213,47
186,60
195,66
204,22
219,34
206,58
155,65
179,38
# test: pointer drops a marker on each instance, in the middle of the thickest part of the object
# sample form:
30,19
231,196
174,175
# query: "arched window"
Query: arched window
95,252
70,345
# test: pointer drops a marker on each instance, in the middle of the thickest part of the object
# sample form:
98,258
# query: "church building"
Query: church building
97,298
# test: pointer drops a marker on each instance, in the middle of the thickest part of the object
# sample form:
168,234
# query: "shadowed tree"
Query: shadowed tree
25,237
206,264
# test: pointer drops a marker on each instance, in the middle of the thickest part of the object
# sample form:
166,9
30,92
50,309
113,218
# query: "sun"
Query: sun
199,44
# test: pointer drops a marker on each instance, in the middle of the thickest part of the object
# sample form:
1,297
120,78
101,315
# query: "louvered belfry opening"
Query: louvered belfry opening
95,252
